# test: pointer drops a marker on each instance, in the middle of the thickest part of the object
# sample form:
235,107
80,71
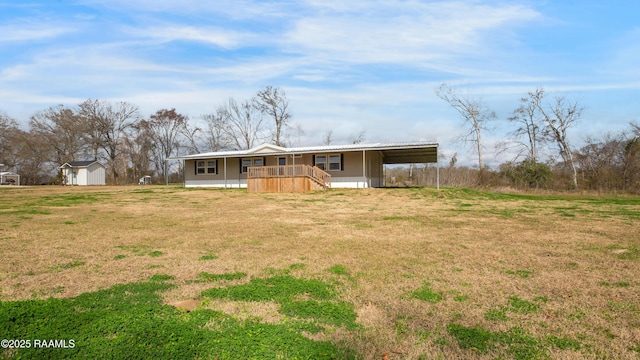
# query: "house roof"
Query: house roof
393,153
79,163
8,173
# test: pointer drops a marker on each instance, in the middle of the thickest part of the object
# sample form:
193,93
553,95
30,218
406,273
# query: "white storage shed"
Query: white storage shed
83,173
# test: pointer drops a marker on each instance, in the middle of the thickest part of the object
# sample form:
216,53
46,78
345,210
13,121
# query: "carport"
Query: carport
412,155
9,178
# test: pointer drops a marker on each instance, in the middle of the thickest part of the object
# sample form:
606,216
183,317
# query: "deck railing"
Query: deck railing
298,170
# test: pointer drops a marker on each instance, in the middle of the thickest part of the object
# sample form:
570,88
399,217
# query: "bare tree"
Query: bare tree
558,117
8,141
530,125
63,131
32,154
168,131
245,123
191,138
137,147
107,126
327,139
215,134
474,114
359,138
273,103
293,138
601,160
631,169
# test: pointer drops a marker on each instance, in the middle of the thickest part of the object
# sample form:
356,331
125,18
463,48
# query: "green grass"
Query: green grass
521,306
460,298
630,252
161,277
338,270
298,266
131,322
67,200
64,266
322,306
517,343
332,313
215,277
156,253
119,256
425,293
521,273
621,284
208,257
499,314
283,288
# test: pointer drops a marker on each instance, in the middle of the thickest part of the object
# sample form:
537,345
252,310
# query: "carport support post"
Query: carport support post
438,175
364,170
166,175
225,173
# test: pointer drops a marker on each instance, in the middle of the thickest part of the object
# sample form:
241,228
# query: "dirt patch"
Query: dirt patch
186,305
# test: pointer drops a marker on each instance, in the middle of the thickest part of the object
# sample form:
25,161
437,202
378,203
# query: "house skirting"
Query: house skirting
336,183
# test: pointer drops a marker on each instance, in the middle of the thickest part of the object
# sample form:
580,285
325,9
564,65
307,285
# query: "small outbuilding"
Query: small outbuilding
145,180
9,178
83,173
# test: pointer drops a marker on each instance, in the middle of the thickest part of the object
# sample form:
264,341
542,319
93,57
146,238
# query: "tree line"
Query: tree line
132,146
607,162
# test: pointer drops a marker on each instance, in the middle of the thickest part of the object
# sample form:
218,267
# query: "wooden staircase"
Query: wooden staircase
287,178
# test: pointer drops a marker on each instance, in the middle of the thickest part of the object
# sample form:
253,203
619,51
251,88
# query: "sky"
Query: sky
354,66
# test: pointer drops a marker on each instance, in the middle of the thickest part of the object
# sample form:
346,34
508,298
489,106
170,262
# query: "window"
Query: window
332,162
251,162
321,161
206,167
245,165
282,160
211,167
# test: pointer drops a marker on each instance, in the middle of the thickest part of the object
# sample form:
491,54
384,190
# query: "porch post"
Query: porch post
225,172
364,170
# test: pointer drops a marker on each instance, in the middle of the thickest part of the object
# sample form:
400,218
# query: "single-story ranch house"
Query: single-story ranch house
83,173
272,168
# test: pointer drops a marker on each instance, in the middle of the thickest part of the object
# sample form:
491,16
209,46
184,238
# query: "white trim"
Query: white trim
268,149
242,183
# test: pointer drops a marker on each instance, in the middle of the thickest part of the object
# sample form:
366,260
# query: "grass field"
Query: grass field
156,272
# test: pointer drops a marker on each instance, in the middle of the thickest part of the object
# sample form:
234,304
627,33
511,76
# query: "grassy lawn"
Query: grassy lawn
156,272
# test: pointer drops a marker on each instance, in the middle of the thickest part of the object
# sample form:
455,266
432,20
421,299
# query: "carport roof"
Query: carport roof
393,153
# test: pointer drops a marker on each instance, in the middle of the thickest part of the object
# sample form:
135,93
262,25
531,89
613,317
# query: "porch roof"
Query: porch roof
393,153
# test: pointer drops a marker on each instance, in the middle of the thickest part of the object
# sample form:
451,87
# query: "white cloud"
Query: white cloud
408,33
29,32
167,33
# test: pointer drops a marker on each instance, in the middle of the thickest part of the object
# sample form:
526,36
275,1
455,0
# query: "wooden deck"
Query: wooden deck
287,178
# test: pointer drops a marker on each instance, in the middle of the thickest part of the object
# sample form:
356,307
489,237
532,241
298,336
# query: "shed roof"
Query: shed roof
393,153
80,163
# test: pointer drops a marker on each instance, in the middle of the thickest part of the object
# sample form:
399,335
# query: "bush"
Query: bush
527,173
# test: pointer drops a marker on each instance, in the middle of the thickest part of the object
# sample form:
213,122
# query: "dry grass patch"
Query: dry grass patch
492,258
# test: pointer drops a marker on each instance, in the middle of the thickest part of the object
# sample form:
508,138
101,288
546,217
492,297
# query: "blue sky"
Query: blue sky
346,66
